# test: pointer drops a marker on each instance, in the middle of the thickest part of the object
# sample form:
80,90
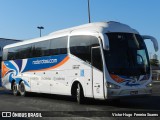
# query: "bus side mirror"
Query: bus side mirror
154,40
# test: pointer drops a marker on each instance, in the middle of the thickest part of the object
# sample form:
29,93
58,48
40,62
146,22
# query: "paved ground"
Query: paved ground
71,110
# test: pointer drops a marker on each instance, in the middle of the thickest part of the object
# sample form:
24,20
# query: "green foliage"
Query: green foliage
154,62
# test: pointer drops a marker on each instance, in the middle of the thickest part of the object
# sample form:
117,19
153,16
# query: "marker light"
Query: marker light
112,86
149,84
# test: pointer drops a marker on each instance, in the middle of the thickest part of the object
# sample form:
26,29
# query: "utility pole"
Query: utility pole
40,28
89,18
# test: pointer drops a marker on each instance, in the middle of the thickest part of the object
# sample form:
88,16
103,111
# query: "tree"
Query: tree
154,62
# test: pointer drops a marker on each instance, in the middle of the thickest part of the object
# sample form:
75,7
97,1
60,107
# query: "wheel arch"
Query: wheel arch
20,81
74,86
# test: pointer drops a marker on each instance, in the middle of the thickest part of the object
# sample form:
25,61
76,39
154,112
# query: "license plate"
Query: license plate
134,92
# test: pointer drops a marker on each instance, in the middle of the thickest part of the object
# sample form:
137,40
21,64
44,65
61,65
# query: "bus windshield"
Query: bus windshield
127,55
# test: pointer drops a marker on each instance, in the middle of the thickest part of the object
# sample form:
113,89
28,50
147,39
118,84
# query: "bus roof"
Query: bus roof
100,27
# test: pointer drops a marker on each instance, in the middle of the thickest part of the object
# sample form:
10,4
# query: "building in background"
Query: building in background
155,56
4,42
155,65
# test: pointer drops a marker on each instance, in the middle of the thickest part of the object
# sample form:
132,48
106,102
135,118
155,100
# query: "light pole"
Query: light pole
89,18
40,28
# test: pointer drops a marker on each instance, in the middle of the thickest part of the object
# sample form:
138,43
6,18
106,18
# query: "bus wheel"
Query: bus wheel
22,89
14,89
79,94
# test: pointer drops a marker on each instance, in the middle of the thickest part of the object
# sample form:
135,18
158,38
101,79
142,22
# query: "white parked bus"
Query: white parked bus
103,60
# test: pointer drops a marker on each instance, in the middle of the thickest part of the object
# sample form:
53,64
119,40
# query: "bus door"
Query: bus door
97,73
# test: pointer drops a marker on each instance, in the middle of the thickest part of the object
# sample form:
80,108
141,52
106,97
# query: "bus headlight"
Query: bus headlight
112,86
149,84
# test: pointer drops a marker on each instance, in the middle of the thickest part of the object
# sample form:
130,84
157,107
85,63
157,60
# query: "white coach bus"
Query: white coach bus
103,60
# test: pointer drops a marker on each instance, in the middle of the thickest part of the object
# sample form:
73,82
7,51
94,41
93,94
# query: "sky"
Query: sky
19,18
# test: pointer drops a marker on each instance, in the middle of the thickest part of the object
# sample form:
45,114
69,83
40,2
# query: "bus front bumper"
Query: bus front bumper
120,93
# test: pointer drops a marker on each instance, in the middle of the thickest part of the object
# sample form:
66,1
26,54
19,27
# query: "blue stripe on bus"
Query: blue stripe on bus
43,62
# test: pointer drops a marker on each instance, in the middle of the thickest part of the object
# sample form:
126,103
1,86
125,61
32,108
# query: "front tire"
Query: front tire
22,89
79,94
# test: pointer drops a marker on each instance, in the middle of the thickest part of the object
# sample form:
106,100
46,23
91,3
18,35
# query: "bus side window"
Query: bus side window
25,51
59,46
80,46
12,54
41,48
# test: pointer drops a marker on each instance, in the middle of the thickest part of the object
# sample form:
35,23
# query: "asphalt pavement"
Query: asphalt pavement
58,107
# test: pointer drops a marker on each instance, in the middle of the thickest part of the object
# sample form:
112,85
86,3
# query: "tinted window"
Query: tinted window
80,46
44,48
25,51
127,55
58,46
97,58
41,49
19,52
13,53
